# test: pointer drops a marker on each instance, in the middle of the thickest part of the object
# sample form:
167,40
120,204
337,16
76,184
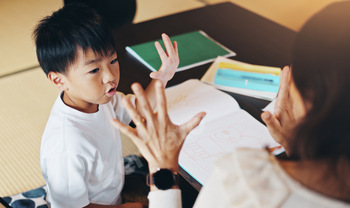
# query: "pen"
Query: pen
276,150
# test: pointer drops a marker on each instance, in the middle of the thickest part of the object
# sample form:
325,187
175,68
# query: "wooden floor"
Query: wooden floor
26,96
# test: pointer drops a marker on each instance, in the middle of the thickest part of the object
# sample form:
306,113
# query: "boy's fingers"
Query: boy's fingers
168,45
176,48
155,75
191,124
160,51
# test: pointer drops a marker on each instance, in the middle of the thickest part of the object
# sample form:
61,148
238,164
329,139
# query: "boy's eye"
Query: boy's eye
114,61
94,71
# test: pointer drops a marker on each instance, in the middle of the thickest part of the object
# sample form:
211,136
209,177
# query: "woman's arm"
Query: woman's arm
158,139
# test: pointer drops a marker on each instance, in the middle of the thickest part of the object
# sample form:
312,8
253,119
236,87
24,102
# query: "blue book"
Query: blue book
247,80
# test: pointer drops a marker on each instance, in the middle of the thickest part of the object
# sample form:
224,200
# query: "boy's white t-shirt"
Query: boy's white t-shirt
81,155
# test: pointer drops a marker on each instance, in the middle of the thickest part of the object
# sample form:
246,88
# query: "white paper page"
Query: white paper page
191,97
224,128
270,107
213,138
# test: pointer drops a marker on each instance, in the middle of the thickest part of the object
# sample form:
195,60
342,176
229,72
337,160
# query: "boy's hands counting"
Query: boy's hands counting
170,60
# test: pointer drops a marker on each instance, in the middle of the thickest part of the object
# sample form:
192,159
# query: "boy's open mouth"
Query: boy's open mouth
112,91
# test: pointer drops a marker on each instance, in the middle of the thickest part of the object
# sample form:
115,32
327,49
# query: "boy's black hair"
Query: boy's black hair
59,36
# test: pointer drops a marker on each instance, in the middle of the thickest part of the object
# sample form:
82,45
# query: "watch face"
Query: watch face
163,179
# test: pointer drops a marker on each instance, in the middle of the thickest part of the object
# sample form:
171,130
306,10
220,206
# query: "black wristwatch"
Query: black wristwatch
163,179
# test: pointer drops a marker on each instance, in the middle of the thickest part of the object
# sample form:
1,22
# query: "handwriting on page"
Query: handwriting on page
224,128
183,101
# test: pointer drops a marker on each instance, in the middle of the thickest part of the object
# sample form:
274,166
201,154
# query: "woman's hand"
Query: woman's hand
158,139
170,60
281,123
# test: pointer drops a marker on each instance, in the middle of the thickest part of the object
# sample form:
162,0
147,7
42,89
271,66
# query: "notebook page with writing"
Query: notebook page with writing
224,128
191,97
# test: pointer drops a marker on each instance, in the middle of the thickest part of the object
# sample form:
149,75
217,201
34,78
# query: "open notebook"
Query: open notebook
225,127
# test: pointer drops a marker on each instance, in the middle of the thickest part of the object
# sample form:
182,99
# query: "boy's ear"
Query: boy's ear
58,80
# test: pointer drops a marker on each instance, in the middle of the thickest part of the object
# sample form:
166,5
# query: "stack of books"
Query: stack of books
242,78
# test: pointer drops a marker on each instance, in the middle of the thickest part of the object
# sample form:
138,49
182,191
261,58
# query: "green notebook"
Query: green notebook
195,48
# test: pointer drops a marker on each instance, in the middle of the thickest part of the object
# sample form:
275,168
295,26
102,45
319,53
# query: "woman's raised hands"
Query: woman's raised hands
158,139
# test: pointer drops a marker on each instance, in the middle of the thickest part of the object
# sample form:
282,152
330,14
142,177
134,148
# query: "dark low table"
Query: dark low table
255,39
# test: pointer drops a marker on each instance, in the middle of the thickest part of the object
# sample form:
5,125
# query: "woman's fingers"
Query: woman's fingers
283,93
272,123
142,102
191,124
161,102
162,113
139,141
279,133
127,130
134,114
284,85
284,81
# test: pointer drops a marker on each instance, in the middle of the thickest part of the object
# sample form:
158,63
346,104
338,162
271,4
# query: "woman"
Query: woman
311,120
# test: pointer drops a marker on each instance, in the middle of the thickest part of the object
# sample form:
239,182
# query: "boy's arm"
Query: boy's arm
170,62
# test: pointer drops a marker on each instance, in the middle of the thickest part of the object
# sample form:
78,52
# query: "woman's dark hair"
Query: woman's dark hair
58,37
321,72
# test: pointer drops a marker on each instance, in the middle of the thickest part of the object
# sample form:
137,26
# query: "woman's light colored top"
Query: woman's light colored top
248,178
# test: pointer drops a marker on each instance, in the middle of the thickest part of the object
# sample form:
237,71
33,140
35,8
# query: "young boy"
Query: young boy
81,154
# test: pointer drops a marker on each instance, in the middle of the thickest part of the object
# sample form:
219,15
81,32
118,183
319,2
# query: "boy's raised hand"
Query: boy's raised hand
170,60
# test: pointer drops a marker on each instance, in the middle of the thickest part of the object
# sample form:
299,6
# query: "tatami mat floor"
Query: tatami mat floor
17,20
26,96
23,115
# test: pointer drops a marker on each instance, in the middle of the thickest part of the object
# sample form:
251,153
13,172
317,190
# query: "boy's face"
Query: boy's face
91,80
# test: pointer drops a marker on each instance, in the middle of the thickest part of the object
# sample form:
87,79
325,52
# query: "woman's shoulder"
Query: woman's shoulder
256,171
257,175
247,160
244,178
